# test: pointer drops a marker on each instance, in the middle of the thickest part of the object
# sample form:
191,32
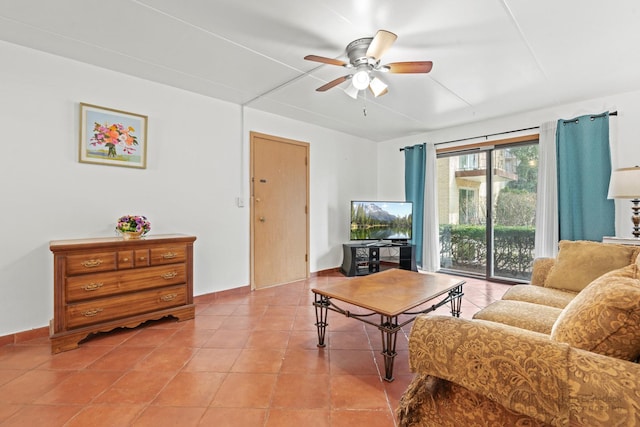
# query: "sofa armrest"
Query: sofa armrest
523,371
527,372
603,391
541,269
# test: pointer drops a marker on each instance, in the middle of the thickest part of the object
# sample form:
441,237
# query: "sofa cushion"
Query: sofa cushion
539,295
523,315
541,268
579,263
605,317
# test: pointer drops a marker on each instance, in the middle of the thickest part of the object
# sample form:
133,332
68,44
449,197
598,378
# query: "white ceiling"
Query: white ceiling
491,57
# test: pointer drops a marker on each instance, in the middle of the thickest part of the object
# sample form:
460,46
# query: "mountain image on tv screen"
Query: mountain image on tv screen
372,220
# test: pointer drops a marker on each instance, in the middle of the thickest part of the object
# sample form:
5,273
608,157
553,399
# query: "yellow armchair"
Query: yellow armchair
481,373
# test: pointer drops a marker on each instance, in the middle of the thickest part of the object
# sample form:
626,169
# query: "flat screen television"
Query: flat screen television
380,220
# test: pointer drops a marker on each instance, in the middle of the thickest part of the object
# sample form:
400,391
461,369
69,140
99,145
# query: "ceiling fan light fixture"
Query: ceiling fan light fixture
364,61
352,91
378,87
361,79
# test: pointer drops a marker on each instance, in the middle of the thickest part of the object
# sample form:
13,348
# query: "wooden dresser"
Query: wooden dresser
106,283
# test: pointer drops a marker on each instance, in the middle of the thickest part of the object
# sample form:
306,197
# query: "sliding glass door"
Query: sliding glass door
486,205
515,181
462,195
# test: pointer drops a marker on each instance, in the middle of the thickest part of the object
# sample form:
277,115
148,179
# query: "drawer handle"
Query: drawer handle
168,297
91,263
169,275
92,286
142,258
125,260
169,255
91,313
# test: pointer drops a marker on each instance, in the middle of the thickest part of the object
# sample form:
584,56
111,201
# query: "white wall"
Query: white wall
625,151
197,166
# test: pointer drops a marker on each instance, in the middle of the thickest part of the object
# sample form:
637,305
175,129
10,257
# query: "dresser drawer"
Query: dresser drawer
91,262
98,285
141,257
125,260
168,254
117,307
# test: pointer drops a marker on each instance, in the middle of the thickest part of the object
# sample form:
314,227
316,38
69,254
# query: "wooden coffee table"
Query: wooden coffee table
388,294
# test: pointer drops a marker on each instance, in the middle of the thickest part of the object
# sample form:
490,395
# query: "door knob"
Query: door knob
262,219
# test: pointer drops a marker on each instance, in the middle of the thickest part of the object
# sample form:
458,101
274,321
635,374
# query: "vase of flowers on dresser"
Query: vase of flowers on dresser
133,226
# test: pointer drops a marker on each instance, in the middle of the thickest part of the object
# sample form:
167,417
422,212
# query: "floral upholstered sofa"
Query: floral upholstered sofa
561,351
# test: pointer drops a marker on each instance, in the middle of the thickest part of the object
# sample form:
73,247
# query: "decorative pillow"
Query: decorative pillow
579,263
605,317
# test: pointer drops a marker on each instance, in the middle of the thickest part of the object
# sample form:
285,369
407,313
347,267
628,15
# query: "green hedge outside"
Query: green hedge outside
463,247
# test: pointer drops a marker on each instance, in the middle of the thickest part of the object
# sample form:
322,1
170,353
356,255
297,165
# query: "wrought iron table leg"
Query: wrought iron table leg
389,329
456,300
322,310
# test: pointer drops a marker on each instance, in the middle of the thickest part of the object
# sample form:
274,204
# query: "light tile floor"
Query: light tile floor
245,360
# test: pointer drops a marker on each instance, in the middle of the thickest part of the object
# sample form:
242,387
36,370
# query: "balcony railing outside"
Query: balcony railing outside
505,161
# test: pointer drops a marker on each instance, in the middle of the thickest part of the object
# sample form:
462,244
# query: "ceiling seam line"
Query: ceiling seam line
524,39
280,86
204,30
211,33
115,52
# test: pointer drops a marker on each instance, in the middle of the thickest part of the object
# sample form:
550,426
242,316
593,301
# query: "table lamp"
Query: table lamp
625,184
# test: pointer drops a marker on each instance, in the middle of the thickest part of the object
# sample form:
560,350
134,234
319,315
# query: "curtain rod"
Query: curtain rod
613,113
594,116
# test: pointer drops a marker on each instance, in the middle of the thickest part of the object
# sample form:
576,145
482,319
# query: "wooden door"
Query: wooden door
279,210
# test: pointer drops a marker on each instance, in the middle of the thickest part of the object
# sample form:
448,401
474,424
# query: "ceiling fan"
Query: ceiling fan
364,57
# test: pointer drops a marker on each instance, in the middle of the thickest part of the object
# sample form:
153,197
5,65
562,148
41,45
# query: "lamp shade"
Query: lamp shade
378,87
361,79
352,91
625,183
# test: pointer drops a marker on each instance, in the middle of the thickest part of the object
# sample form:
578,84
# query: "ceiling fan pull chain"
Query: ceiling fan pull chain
364,103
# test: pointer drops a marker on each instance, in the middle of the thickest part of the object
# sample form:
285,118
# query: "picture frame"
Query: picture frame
112,137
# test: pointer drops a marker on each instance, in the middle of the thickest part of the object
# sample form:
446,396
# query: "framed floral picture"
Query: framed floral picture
112,137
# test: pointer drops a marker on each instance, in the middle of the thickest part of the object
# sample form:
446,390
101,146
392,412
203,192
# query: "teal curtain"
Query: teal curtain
414,170
584,169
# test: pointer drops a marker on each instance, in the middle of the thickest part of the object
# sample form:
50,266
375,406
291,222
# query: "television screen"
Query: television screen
373,220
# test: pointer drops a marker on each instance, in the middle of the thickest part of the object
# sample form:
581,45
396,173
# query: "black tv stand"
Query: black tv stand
361,259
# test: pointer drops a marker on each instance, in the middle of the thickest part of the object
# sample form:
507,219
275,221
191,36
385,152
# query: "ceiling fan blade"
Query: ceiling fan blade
381,43
410,67
333,83
324,60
